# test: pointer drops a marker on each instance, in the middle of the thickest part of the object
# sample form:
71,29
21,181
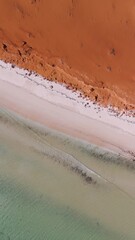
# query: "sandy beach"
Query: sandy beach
54,106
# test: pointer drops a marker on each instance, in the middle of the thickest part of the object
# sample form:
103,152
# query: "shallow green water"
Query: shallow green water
56,187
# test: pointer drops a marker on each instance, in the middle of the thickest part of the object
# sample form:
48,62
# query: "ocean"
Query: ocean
53,186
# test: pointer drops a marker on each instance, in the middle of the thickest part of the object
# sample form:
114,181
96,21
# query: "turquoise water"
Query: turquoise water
55,187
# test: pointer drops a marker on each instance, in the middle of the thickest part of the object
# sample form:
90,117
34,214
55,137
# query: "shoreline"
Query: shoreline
48,103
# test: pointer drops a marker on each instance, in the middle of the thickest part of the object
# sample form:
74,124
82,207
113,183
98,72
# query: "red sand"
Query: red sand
89,44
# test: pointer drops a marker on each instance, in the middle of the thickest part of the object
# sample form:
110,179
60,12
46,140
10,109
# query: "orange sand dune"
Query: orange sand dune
89,44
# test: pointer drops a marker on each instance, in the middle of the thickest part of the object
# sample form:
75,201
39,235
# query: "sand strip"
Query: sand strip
56,107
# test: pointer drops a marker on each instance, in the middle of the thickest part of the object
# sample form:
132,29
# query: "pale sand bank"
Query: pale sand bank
57,107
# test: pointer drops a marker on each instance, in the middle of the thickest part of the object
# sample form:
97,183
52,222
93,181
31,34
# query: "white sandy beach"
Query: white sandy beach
57,107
